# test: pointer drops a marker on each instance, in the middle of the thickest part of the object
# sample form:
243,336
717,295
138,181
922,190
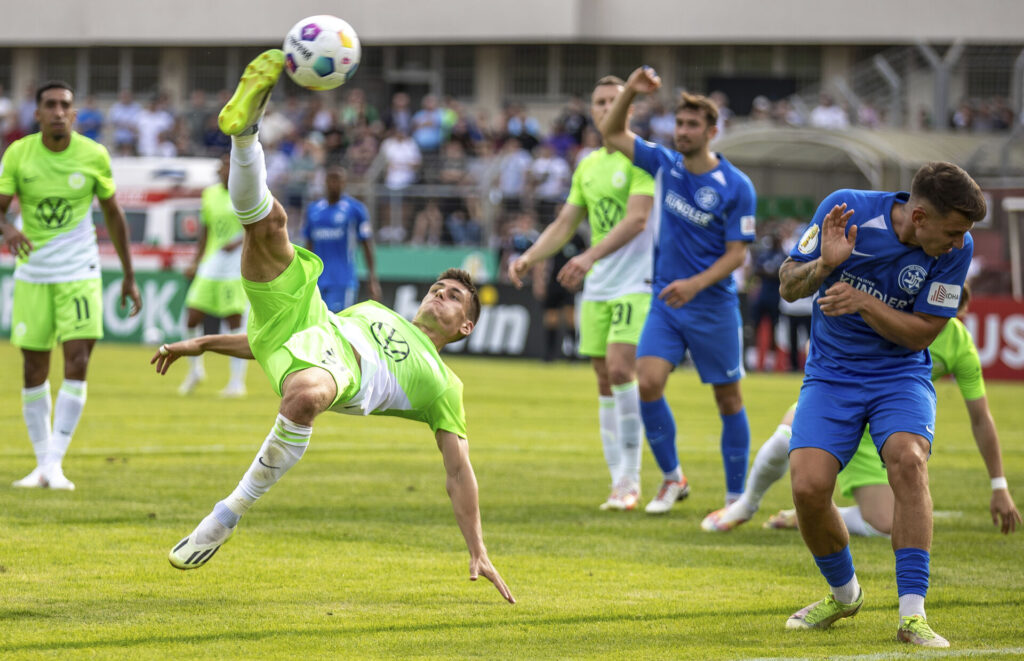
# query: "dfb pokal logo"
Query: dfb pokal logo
911,278
706,198
390,340
53,212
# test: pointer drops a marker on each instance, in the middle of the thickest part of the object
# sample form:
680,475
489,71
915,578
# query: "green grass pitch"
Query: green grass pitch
355,553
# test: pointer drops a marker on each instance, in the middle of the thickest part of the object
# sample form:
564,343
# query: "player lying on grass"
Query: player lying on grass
368,359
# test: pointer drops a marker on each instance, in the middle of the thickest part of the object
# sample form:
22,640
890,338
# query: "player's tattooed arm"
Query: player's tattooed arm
801,279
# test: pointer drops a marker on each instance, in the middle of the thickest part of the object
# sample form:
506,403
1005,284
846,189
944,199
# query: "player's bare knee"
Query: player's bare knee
651,387
307,394
620,373
811,492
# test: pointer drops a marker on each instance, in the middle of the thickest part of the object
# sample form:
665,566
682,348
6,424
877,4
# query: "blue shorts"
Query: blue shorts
339,298
714,338
831,415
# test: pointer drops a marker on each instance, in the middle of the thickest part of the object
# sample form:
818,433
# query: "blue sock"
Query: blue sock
735,450
912,571
660,428
837,568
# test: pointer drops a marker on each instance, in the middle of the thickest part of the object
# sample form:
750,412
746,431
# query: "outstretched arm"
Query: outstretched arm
462,489
236,346
613,128
1004,511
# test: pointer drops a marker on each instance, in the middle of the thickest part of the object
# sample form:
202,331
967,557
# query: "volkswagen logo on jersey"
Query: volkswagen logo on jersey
53,212
607,212
911,278
706,197
390,340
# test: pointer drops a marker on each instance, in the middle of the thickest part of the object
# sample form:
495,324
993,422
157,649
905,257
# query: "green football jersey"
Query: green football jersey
55,191
402,373
222,227
602,184
953,352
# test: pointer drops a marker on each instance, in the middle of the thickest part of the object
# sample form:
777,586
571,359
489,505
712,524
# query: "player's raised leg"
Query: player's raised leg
266,249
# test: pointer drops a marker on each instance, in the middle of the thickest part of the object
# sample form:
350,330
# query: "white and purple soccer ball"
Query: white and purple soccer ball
321,52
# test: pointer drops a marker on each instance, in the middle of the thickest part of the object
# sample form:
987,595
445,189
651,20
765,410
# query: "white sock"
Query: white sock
911,604
35,407
856,524
66,414
770,465
847,594
247,180
676,475
195,363
238,368
607,421
283,448
629,428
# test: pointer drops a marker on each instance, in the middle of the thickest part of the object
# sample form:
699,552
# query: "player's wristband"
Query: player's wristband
999,483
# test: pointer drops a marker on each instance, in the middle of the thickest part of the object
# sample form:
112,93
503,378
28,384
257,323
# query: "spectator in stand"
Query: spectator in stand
403,158
296,112
319,118
463,230
467,134
522,127
428,225
548,179
7,117
124,117
868,116
640,122
399,115
787,114
574,119
828,115
765,263
152,121
798,313
518,235
663,123
761,111
725,113
361,152
27,112
428,126
564,144
195,115
514,164
591,143
275,125
335,146
89,121
215,143
357,112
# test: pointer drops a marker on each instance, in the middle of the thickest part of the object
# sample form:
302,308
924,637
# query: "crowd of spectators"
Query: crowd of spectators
440,162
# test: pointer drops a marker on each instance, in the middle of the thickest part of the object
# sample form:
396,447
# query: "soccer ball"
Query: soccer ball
321,52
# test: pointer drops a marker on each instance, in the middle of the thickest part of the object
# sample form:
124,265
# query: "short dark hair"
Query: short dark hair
948,188
464,278
700,103
610,80
53,85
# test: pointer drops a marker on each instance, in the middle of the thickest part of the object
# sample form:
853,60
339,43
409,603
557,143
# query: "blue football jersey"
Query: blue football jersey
696,214
902,276
332,232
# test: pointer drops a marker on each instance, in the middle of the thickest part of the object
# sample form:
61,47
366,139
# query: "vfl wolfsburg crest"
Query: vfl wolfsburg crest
911,278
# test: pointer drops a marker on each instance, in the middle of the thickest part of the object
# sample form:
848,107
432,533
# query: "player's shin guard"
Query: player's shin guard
247,180
735,451
660,427
283,448
35,407
837,568
67,411
609,440
629,428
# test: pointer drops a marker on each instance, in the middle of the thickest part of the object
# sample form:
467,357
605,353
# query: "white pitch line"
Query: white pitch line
884,656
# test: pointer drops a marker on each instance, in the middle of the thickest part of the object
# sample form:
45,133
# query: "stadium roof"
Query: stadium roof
886,159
